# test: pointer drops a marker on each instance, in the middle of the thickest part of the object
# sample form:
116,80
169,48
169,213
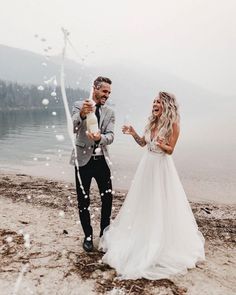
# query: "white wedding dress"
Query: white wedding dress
155,234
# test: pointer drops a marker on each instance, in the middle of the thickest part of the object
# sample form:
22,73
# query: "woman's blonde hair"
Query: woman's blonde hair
170,115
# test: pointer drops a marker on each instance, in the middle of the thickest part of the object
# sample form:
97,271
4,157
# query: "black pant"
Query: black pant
100,171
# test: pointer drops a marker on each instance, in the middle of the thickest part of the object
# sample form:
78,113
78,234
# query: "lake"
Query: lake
29,145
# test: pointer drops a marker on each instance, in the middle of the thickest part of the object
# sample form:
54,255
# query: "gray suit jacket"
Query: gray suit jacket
84,145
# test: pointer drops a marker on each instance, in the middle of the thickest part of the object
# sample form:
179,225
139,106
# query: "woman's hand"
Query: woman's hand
128,130
165,146
160,142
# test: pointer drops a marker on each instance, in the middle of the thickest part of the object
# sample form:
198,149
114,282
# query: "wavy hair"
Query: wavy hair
170,115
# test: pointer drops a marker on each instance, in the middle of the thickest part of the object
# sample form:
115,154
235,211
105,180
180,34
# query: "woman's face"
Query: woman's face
157,107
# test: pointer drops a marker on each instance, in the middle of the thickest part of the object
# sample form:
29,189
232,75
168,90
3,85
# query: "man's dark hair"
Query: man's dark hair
98,82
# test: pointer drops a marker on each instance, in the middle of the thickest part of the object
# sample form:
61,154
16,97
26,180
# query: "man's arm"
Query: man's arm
76,118
108,136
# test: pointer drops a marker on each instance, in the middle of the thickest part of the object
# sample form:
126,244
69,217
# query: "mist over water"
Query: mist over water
204,155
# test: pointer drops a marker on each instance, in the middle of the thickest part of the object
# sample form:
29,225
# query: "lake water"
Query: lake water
28,144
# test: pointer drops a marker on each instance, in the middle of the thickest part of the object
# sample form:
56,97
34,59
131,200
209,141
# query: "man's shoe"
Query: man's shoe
88,244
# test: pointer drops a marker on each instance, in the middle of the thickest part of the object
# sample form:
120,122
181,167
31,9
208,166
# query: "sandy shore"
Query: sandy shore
41,253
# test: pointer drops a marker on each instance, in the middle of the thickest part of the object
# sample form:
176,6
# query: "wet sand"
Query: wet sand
41,253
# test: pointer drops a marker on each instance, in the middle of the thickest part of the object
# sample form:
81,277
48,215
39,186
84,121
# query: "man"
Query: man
93,157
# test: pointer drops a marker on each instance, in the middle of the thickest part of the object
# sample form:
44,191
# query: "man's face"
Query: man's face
102,94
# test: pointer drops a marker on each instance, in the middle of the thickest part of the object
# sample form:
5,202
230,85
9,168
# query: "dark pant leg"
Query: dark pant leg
83,198
103,178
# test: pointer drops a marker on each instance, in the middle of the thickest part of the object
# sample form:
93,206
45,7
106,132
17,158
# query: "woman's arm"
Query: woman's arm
170,146
130,130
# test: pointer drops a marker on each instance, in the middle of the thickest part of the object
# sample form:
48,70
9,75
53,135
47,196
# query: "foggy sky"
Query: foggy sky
194,40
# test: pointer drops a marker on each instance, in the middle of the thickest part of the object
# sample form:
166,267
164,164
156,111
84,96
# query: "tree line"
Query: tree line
14,96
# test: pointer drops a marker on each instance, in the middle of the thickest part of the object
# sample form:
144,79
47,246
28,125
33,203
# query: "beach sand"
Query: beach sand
41,252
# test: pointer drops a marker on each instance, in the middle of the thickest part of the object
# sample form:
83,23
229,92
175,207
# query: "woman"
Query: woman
155,234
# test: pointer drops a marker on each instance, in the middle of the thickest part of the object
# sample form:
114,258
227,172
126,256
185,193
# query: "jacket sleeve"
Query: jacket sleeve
107,137
77,120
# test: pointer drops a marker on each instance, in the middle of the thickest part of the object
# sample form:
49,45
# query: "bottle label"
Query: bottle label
93,128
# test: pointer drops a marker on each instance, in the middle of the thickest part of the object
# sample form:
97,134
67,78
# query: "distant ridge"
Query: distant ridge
24,66
134,85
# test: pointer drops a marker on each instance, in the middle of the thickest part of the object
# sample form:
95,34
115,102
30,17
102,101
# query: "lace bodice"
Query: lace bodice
151,144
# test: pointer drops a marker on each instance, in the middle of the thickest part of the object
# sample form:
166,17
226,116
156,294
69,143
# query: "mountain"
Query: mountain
23,66
134,86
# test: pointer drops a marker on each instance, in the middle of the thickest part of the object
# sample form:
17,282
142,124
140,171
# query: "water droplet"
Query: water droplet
60,137
53,94
35,159
26,236
61,213
97,150
9,239
44,64
41,88
27,244
54,113
45,101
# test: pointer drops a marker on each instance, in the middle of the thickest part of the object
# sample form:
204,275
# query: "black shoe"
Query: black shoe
88,244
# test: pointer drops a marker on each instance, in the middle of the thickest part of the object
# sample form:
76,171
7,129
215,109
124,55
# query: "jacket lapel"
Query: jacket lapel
103,113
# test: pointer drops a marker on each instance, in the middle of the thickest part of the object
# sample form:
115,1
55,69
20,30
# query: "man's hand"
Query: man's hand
87,108
94,136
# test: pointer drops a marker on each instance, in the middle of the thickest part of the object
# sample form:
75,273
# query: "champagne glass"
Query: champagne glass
126,125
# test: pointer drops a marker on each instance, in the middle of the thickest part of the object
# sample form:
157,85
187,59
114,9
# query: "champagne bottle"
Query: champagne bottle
92,122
